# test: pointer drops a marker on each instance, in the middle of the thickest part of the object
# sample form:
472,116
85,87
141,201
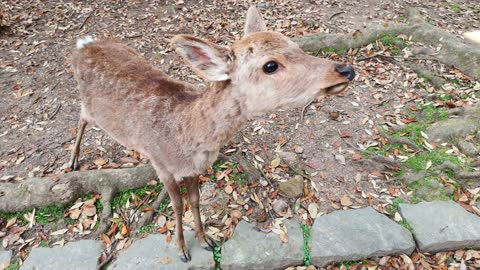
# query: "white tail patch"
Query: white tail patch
84,41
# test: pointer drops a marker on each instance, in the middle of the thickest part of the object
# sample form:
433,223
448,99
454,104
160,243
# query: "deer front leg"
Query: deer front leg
193,195
82,124
176,198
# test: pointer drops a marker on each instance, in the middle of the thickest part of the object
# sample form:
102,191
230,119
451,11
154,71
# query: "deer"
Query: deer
181,129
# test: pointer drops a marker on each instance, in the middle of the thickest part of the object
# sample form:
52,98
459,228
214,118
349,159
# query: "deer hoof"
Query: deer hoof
75,166
208,244
185,256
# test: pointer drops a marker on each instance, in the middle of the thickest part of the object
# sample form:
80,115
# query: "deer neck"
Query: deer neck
218,113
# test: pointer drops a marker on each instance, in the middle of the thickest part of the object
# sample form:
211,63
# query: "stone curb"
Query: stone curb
153,252
356,234
252,249
441,225
345,235
79,255
5,256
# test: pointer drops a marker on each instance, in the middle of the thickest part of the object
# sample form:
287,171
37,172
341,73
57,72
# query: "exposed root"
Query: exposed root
452,51
148,216
385,160
253,173
38,192
402,141
459,173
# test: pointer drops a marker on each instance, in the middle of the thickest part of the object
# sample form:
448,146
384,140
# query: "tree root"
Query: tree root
452,51
459,173
253,173
38,192
386,161
406,141
148,216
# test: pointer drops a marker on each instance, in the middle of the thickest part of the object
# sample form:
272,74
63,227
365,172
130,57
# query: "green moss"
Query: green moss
239,178
330,51
392,209
428,189
147,228
434,113
455,7
14,265
307,258
217,256
50,213
406,225
389,40
437,157
414,130
123,196
20,217
45,244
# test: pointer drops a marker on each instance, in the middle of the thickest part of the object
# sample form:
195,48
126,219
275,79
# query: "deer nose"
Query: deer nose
346,71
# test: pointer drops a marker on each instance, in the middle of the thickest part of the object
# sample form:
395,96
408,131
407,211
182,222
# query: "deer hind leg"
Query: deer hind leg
176,198
82,124
193,195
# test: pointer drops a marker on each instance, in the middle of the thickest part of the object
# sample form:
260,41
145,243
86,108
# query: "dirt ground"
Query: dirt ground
39,102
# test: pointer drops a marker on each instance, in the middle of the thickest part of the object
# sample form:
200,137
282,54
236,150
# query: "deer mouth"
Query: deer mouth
336,89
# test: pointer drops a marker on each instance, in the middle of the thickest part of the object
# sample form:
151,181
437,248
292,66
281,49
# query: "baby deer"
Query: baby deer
181,129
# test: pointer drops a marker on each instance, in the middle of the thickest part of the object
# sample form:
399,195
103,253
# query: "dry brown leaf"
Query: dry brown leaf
89,210
166,260
345,200
284,237
75,213
228,189
100,162
169,237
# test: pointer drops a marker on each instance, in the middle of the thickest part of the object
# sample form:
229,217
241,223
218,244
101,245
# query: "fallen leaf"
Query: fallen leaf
59,232
345,200
313,210
284,237
166,260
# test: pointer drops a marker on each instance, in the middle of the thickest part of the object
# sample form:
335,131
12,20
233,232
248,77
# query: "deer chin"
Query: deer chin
336,89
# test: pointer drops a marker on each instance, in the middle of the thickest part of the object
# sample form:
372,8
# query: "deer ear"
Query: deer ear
208,60
254,22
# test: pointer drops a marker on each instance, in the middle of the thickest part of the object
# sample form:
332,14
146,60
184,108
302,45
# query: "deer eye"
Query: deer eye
270,67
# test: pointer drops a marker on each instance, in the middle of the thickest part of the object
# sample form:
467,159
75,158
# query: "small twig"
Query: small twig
134,36
147,217
304,108
55,86
459,174
86,19
107,260
335,14
382,102
400,141
57,109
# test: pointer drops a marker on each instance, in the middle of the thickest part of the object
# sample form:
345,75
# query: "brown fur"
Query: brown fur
179,128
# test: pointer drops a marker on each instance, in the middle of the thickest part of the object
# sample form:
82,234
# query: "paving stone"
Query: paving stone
80,255
254,250
352,235
5,256
153,252
442,225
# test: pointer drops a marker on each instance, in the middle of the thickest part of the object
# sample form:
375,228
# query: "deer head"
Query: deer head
266,69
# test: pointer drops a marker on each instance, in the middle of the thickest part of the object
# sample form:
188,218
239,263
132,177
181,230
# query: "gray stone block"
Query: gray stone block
352,235
442,225
254,250
5,256
80,255
153,252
